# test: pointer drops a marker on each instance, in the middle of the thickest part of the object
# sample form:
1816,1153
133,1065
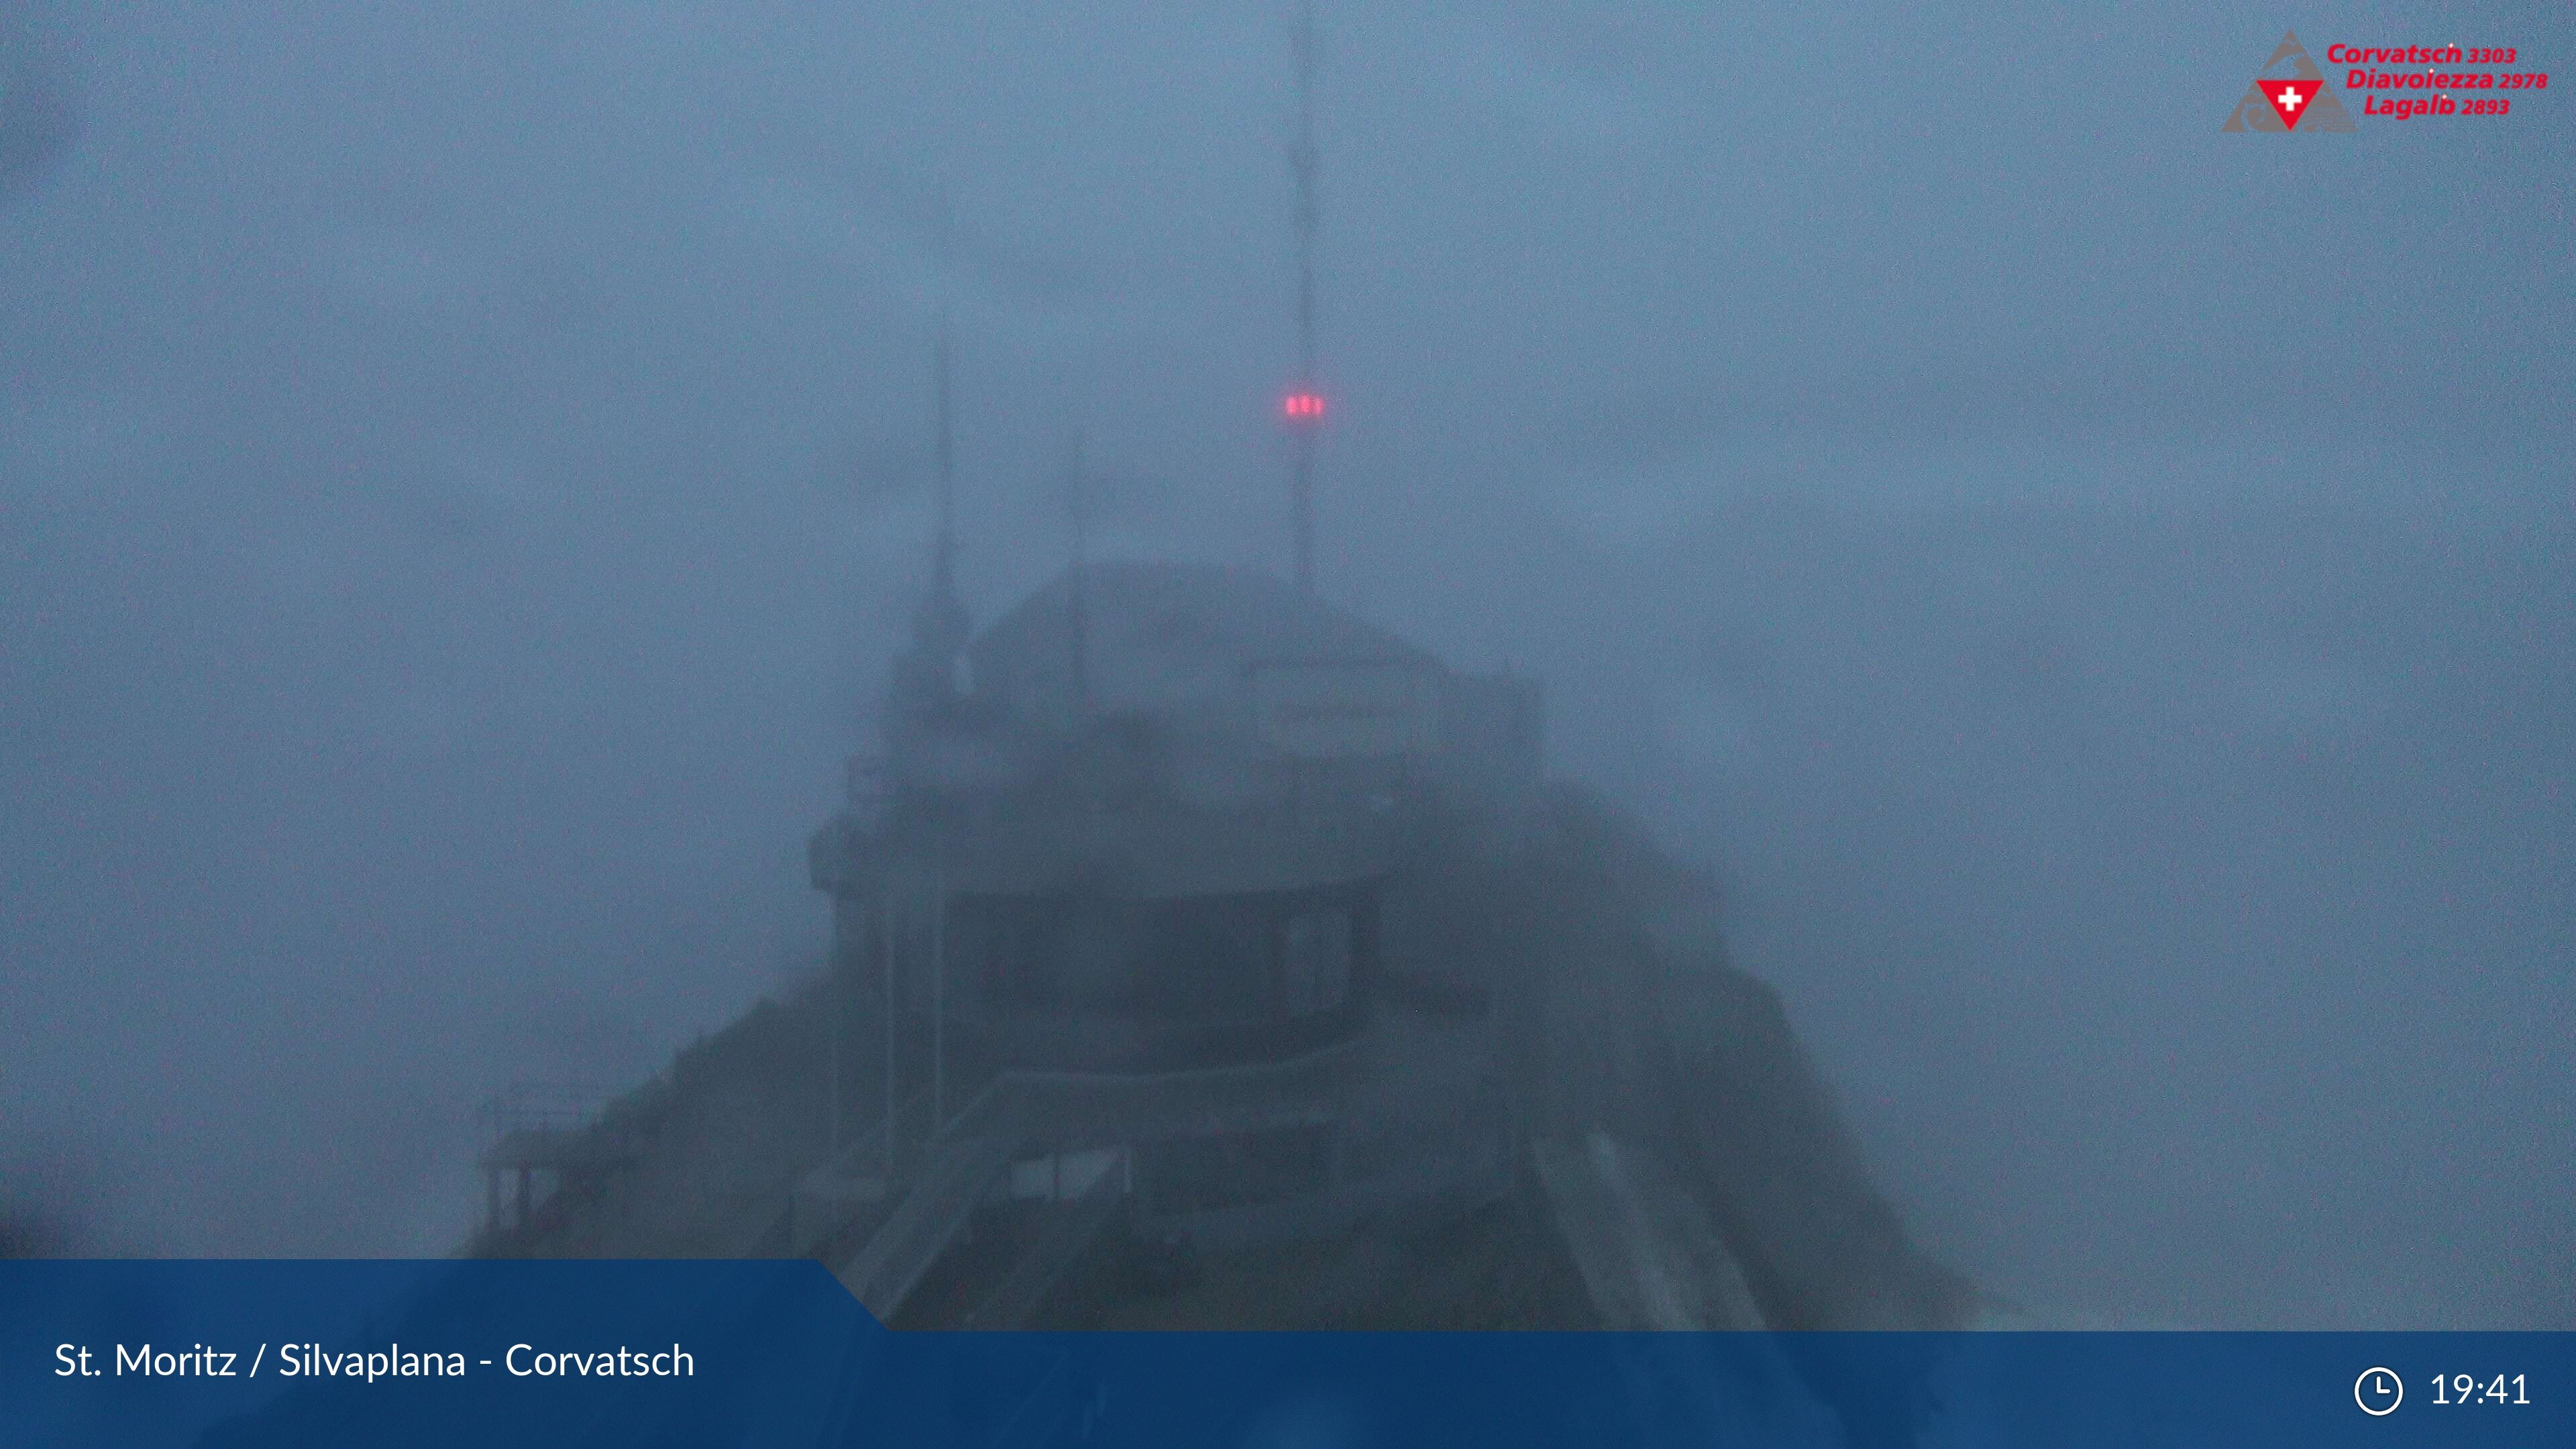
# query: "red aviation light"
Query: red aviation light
1303,407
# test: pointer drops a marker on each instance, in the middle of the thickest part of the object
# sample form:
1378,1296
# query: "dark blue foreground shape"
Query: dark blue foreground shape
778,1354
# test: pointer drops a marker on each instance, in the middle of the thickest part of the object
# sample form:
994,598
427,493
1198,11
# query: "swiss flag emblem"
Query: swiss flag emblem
2290,98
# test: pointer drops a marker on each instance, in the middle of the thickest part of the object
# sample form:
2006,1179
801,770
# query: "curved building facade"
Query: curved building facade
1119,889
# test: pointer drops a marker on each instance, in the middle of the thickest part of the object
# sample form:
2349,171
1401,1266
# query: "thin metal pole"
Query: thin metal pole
944,561
938,1001
1301,162
835,1041
1302,498
885,930
1078,601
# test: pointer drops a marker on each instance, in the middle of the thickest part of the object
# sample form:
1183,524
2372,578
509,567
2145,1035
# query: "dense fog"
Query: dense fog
2101,592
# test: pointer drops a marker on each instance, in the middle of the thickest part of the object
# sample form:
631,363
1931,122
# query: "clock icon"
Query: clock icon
2378,1391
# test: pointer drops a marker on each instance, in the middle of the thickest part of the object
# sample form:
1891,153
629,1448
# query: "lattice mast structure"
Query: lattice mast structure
1304,406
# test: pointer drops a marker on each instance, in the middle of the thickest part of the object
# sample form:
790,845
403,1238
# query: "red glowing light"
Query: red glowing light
1303,407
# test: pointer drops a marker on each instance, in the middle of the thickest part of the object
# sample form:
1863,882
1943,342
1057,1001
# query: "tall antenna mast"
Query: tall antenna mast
940,626
1077,499
1305,407
944,561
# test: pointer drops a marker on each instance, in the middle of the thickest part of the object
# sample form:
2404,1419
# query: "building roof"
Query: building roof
1168,854
1166,634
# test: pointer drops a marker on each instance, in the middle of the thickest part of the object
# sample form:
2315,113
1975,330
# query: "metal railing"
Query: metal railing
541,1106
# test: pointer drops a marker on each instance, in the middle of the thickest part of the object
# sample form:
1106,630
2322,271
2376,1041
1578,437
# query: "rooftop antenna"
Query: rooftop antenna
1304,406
943,574
940,627
1077,502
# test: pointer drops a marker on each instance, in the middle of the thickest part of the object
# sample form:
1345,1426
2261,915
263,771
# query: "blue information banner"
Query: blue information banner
145,1354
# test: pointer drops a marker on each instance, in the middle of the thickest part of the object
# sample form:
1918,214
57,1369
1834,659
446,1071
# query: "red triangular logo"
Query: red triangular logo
2289,98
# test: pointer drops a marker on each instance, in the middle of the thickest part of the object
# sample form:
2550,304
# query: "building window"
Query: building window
1315,961
1196,960
1207,960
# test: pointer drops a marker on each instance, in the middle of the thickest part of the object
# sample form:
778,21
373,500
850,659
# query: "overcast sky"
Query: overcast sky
2102,591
